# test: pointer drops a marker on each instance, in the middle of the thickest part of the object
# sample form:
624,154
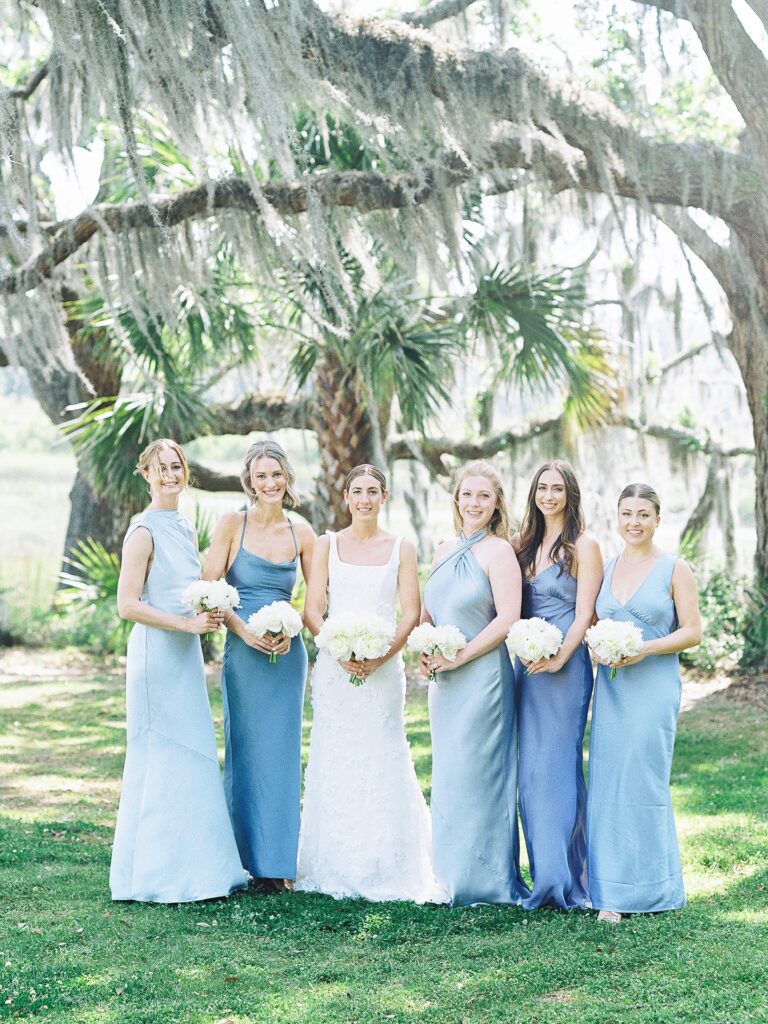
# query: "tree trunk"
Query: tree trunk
95,516
749,343
342,424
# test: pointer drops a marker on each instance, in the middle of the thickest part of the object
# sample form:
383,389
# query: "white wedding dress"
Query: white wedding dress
365,828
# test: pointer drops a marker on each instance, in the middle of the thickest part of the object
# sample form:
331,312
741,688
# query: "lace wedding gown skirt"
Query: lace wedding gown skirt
365,829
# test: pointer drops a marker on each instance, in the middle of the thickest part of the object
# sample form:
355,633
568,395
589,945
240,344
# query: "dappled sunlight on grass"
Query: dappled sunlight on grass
308,959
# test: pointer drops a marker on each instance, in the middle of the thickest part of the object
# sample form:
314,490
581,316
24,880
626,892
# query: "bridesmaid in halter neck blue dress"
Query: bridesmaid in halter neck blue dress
263,702
634,863
553,694
475,586
173,839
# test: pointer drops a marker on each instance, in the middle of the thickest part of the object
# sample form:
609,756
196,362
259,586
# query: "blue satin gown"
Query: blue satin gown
173,838
634,863
262,725
552,716
474,745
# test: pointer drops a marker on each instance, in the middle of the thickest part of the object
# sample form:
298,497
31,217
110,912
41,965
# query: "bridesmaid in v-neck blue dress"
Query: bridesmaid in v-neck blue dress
634,863
562,571
261,550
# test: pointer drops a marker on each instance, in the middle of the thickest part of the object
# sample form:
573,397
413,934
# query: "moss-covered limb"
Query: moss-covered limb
23,92
760,7
430,449
721,260
256,412
678,437
663,173
435,12
735,58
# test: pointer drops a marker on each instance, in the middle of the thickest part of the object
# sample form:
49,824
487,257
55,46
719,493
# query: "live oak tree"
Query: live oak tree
439,120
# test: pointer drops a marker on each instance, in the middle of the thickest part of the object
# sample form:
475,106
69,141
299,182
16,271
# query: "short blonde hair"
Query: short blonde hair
499,524
269,450
150,457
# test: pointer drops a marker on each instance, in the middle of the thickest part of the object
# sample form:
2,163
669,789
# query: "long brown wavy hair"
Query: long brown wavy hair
533,525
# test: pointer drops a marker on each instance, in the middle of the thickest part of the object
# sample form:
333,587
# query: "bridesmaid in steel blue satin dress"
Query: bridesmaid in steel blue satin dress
173,839
261,549
634,863
562,571
475,585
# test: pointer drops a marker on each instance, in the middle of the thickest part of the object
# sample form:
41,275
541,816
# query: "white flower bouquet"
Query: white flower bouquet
533,639
210,596
612,640
275,618
446,640
348,635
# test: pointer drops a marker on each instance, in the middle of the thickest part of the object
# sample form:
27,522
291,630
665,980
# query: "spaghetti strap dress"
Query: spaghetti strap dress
173,838
552,717
474,745
634,862
263,705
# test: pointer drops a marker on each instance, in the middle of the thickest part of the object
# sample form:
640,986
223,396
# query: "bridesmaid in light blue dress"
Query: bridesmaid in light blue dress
475,584
173,839
634,863
562,571
260,550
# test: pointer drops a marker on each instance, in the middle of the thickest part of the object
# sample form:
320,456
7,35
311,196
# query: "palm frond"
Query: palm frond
109,433
537,325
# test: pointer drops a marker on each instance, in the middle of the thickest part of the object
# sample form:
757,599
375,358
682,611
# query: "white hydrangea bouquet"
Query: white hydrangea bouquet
612,640
348,635
210,596
533,639
275,618
446,640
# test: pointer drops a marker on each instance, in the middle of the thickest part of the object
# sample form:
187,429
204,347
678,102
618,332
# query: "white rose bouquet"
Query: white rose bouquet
533,639
612,640
348,635
210,596
446,640
275,618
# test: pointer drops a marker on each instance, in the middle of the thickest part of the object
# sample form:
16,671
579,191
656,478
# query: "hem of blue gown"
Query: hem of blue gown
203,894
468,901
608,897
554,904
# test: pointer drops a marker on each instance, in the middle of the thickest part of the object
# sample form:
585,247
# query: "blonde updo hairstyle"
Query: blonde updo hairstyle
499,524
150,457
269,450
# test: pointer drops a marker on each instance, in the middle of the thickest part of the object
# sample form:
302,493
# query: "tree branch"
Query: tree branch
671,173
256,413
431,449
677,436
435,12
735,58
24,92
760,7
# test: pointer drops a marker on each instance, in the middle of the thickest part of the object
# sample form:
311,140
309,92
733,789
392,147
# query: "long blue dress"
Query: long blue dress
552,716
173,838
634,863
262,725
474,745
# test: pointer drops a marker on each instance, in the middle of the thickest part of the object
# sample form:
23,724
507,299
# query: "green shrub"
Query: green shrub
755,654
722,604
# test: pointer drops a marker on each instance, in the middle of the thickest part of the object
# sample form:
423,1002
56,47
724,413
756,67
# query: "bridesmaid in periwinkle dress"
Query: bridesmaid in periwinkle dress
260,550
475,584
173,839
562,571
634,863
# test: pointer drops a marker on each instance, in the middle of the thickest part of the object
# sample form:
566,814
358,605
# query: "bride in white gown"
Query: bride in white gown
365,828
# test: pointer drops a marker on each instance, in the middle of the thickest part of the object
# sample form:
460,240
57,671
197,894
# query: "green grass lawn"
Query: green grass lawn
68,954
